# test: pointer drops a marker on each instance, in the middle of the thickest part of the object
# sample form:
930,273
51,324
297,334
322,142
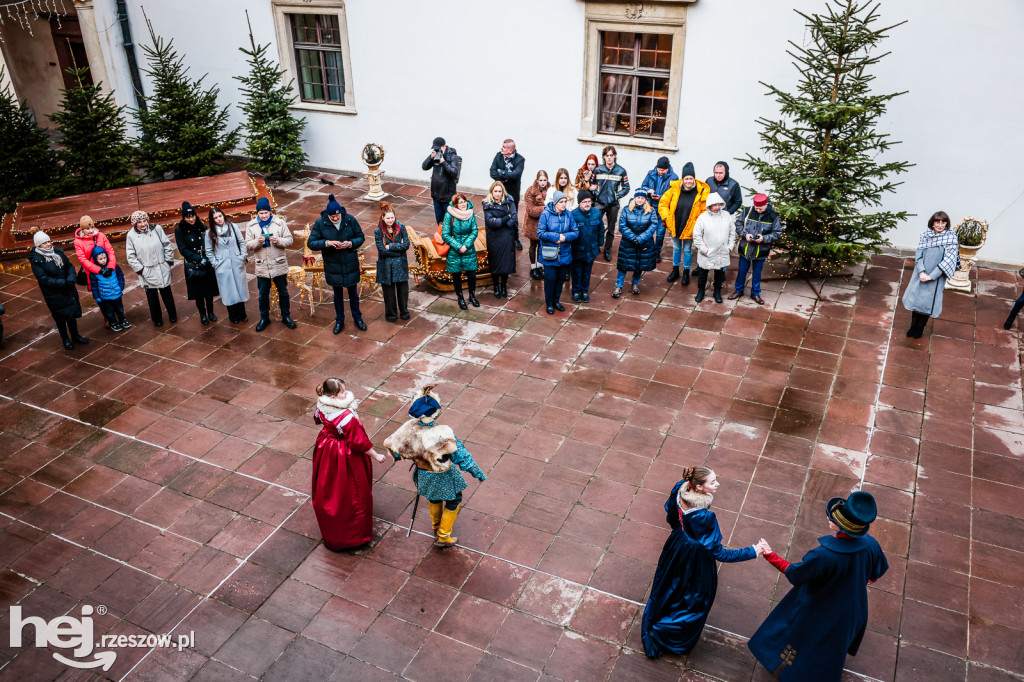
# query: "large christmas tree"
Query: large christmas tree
823,162
273,136
95,149
183,131
29,170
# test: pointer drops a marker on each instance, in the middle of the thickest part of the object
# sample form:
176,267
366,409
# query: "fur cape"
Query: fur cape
429,445
329,405
693,499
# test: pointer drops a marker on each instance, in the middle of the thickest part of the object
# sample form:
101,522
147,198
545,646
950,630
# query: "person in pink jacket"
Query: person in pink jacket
87,238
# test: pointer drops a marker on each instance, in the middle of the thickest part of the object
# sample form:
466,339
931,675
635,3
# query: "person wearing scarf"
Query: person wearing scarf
266,237
392,263
338,236
433,448
459,232
151,255
937,258
225,248
56,276
200,279
342,497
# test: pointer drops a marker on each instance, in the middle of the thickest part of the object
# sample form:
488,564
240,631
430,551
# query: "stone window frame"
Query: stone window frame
286,50
657,16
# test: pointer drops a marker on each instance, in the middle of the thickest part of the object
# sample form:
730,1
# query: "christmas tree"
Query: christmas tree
273,137
29,170
182,131
96,152
820,161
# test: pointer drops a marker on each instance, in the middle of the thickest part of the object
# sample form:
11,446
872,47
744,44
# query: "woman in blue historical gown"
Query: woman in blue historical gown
823,618
687,577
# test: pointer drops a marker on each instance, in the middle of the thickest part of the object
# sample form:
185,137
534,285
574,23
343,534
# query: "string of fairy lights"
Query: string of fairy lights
23,12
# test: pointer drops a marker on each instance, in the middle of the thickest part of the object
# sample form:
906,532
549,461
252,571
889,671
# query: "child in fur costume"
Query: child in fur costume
342,474
434,447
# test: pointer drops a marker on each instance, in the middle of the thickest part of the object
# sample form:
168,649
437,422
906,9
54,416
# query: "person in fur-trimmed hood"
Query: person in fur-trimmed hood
434,448
342,475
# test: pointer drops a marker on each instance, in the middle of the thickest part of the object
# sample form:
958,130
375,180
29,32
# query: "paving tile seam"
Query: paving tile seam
76,544
242,561
878,393
155,445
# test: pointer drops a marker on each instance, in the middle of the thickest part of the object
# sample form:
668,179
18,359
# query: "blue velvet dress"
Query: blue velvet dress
686,581
822,619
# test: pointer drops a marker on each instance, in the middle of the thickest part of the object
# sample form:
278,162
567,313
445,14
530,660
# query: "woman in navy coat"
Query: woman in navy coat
556,231
686,581
823,618
638,225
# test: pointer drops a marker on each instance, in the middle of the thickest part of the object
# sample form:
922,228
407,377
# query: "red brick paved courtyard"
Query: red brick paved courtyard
164,474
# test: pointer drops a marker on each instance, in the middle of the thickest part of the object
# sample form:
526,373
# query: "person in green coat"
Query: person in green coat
459,231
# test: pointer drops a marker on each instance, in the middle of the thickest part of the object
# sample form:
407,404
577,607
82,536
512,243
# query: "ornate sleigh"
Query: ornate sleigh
433,267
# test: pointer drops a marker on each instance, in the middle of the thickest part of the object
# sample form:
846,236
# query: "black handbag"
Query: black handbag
82,278
194,270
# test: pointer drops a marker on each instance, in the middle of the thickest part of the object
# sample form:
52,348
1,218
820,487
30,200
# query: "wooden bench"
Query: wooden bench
235,194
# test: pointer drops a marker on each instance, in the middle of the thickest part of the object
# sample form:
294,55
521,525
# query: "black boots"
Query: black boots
674,275
288,321
686,277
700,296
718,294
462,303
262,324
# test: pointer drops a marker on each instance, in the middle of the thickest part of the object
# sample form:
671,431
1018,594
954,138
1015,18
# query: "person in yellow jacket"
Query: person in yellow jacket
679,209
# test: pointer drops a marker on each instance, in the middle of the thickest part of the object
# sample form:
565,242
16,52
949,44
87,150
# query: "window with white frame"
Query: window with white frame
313,42
633,72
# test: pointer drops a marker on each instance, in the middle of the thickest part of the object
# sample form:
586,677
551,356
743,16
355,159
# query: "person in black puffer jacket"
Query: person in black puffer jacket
56,276
200,278
637,248
338,235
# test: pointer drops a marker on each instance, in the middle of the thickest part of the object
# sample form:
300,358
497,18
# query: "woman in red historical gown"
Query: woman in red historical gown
342,475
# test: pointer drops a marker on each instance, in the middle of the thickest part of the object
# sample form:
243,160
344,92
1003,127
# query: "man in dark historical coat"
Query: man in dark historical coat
822,619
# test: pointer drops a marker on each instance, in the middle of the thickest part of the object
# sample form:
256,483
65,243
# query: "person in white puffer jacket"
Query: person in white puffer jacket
714,239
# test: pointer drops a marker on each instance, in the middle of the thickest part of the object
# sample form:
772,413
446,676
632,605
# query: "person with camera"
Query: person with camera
200,279
757,229
445,166
266,237
507,168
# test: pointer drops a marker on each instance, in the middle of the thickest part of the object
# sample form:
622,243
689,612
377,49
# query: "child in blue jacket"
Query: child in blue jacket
107,286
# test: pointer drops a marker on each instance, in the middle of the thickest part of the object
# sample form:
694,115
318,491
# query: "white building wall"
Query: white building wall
477,72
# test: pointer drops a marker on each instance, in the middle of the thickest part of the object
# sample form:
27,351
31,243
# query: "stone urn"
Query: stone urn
373,157
972,233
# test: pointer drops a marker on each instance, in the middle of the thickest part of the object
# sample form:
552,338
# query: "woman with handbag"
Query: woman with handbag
150,254
460,231
200,278
937,257
225,248
556,232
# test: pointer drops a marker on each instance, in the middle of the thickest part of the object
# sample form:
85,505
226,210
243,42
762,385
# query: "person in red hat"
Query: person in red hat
823,618
757,228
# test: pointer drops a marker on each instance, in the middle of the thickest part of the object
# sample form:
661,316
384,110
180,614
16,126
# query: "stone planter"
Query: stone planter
961,280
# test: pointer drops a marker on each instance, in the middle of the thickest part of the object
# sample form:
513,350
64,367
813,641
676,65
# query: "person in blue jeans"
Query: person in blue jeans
638,228
587,246
556,231
657,183
757,228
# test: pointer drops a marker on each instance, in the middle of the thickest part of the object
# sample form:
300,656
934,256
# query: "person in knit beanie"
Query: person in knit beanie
338,236
200,279
56,276
151,255
266,237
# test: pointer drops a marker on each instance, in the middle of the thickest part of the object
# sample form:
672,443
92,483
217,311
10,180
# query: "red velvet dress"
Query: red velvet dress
342,476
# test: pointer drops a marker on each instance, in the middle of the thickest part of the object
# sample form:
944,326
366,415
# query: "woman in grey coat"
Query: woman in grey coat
937,258
225,247
392,263
150,254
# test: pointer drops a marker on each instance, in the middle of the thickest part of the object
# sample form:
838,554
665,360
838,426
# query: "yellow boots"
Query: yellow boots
444,530
435,515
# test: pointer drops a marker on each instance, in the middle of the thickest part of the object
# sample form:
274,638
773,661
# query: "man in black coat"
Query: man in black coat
447,166
338,236
507,168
